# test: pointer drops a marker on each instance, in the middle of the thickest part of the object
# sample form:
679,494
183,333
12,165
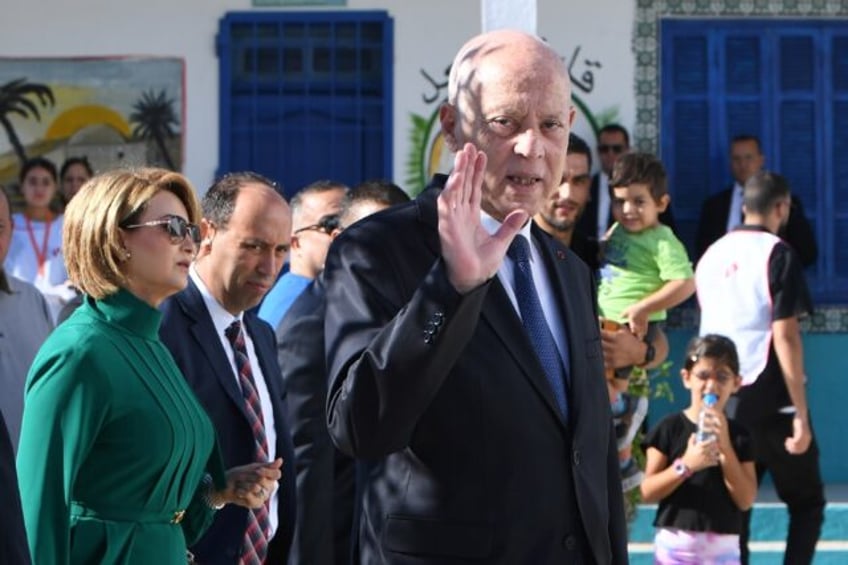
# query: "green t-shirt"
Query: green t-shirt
635,265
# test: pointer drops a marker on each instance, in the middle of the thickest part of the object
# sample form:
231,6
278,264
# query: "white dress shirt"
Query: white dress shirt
734,213
604,204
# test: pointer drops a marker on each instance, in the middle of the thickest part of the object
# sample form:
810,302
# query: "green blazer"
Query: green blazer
114,444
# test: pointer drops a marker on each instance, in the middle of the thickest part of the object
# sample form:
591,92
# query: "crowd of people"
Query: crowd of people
435,380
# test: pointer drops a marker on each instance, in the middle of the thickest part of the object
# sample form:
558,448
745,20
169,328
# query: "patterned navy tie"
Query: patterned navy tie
534,321
255,544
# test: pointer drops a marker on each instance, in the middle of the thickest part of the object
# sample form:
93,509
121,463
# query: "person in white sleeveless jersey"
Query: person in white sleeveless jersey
751,288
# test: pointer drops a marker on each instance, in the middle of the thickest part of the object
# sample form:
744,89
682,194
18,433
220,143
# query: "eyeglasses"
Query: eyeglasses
327,224
720,376
617,148
176,227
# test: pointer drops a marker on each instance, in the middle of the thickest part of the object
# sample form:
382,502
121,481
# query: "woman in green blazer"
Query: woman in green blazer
117,459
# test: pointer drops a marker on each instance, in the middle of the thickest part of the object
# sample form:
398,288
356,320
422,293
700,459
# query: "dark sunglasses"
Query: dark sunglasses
176,227
327,224
720,376
617,149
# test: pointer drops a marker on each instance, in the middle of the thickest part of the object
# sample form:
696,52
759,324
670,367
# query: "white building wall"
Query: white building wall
427,34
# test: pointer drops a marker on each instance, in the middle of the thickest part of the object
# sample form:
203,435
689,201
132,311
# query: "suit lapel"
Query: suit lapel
270,370
203,331
498,310
504,321
566,290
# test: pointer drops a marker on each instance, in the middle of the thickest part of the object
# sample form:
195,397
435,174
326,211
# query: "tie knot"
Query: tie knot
233,330
519,249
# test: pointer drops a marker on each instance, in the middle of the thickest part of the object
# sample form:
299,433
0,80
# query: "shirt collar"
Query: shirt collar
751,227
221,319
492,225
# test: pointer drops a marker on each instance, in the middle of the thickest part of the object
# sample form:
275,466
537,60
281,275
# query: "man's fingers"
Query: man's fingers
477,182
511,225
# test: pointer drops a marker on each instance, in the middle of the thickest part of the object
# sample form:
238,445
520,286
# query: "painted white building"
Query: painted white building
426,36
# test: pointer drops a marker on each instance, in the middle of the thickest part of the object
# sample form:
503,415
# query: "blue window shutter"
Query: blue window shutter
742,63
785,81
686,122
796,62
307,95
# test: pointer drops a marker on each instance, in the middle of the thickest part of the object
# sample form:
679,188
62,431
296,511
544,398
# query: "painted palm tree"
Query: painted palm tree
22,98
154,118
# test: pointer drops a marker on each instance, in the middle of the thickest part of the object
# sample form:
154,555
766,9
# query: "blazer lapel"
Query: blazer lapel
501,316
566,290
497,311
203,331
270,370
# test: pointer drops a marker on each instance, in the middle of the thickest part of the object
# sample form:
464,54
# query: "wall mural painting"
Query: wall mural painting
121,111
427,153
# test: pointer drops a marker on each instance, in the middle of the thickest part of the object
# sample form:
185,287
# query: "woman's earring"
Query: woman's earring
127,255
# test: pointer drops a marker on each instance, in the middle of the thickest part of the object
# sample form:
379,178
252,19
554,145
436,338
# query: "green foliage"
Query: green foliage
418,134
651,384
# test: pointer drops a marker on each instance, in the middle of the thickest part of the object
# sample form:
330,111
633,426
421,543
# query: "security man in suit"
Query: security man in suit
463,344
613,142
228,356
722,212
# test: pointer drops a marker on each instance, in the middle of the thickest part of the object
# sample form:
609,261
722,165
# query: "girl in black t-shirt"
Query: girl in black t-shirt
702,487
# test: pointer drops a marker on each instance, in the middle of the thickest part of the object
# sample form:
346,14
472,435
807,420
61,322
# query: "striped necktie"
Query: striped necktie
255,545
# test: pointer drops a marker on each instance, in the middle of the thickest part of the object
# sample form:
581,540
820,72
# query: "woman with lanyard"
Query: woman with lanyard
35,253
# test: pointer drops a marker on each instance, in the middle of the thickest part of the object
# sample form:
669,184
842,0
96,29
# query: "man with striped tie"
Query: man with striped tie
228,356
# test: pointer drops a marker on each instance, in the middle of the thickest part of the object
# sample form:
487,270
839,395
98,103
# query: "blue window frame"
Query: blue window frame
306,95
785,81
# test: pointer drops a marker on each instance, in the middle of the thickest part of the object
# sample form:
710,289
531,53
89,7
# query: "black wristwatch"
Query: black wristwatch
650,353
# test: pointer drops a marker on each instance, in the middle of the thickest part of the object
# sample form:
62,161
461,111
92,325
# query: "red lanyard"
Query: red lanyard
40,255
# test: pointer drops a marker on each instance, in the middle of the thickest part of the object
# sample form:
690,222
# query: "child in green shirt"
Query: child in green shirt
644,271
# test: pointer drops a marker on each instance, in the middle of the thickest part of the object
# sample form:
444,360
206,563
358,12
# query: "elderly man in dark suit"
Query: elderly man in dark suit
463,343
722,212
228,356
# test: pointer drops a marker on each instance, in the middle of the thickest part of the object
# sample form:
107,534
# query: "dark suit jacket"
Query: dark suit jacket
446,393
797,232
587,224
13,540
325,477
188,332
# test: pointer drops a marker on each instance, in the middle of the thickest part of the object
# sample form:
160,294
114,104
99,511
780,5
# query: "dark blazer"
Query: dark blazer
325,477
587,223
797,232
13,540
188,332
473,460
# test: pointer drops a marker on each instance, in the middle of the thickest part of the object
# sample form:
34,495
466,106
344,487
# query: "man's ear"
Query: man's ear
295,242
207,232
447,117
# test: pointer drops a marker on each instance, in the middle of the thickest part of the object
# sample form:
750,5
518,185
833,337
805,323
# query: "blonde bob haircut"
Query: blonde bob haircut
91,238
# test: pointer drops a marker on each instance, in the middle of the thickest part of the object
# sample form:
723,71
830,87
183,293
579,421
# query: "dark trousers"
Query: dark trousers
797,479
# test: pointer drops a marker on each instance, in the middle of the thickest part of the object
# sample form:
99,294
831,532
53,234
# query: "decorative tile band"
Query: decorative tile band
646,44
826,319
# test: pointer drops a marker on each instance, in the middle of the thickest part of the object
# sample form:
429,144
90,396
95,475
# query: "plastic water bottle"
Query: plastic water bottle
703,434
